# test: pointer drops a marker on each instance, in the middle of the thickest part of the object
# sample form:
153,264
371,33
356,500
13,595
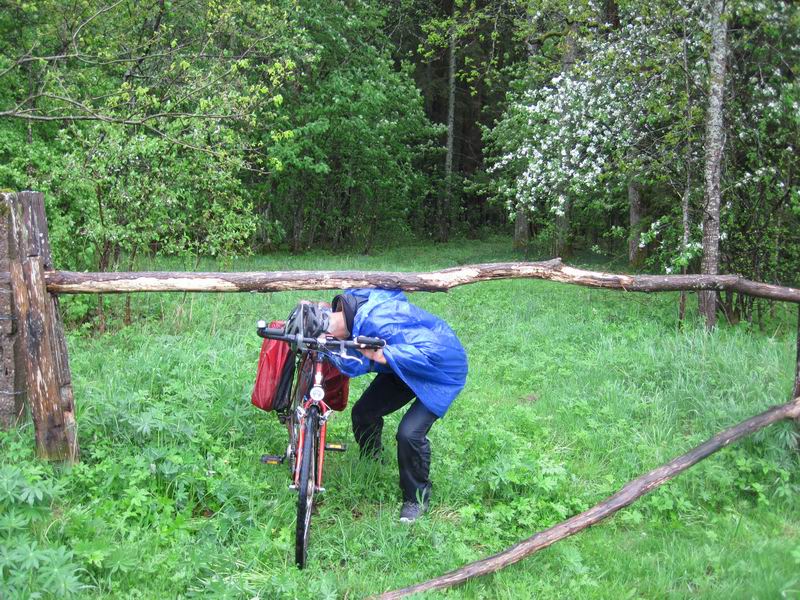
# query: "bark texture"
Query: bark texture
627,495
635,216
521,229
67,282
43,348
11,390
446,204
715,141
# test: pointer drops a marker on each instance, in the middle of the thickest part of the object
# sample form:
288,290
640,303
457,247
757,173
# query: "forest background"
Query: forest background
664,133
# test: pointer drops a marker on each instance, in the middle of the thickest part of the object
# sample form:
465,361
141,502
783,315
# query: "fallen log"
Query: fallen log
629,493
67,282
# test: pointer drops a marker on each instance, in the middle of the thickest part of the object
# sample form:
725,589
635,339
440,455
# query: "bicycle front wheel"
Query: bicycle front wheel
306,485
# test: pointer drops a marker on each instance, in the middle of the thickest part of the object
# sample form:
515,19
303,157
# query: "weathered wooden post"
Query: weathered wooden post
43,348
11,377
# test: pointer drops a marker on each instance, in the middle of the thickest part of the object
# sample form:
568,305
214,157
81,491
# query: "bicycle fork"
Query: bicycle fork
315,398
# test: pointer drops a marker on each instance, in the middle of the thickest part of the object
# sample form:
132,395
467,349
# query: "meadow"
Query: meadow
571,393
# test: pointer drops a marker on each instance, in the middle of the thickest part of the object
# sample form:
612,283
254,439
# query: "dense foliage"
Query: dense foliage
209,128
206,128
349,140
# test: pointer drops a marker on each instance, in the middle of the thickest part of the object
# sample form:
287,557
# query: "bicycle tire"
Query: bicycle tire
306,486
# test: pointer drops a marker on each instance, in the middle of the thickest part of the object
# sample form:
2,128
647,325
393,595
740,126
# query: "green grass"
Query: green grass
571,393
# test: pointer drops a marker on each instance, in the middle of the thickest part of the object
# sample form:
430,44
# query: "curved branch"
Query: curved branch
629,493
66,282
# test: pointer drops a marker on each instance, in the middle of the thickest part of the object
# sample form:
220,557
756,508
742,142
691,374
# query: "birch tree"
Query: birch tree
714,144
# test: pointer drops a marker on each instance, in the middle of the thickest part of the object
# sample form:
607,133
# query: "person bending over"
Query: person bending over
423,361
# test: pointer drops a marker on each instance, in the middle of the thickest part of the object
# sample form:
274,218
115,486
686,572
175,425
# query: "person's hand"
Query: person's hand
376,355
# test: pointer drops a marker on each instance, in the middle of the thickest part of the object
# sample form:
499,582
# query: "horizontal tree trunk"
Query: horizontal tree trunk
628,494
66,282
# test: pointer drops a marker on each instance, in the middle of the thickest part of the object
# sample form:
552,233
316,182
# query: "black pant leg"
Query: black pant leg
414,452
383,396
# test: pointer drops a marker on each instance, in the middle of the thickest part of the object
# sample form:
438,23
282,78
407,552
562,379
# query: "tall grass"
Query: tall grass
571,393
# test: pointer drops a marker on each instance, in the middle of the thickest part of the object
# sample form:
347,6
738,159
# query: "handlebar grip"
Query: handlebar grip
266,332
370,341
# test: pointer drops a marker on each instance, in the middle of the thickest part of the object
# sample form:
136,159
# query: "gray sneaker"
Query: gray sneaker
411,511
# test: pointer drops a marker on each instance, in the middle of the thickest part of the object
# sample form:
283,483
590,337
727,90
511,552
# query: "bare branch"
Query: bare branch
66,282
92,18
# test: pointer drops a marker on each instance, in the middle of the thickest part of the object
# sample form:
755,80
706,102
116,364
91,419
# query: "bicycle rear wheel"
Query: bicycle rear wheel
306,485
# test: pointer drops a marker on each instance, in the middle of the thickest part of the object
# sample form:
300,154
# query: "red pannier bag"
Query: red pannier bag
276,371
272,362
337,387
337,384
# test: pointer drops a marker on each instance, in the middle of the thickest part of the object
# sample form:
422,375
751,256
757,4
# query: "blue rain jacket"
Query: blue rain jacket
420,347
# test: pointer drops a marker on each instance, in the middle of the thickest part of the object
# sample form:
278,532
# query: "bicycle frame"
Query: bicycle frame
312,396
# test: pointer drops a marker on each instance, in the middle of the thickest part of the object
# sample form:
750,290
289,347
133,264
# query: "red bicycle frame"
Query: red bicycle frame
324,411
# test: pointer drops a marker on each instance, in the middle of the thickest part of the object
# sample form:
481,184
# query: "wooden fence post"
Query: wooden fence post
43,347
12,387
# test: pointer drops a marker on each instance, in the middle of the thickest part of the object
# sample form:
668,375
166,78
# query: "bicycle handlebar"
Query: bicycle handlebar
361,342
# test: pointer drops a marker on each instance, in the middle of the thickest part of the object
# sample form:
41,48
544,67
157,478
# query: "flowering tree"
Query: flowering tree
633,108
577,136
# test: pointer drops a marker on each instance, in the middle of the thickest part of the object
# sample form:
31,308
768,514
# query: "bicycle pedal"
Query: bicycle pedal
333,447
272,459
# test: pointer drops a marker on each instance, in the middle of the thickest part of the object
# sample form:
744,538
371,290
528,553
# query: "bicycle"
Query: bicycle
306,419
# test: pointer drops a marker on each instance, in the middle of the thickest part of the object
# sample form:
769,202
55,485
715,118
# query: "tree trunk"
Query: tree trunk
66,282
563,214
685,237
521,229
446,202
610,13
635,214
687,166
715,141
522,226
43,347
796,392
297,226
